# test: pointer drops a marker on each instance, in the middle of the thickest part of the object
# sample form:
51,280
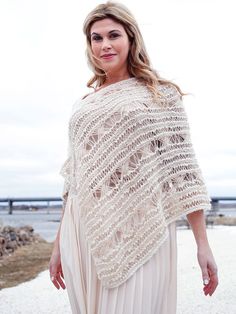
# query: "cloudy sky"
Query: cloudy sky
43,71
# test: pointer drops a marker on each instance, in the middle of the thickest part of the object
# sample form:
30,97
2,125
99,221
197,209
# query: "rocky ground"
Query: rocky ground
23,254
25,264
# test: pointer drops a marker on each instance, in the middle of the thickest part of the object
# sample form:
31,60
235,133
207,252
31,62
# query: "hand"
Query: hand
209,269
55,269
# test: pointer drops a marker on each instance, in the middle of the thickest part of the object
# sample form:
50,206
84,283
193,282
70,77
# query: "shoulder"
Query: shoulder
169,91
173,97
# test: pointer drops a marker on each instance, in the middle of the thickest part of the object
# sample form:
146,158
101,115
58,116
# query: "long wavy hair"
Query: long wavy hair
139,65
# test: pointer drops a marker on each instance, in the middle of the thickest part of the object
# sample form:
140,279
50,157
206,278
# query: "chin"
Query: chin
109,69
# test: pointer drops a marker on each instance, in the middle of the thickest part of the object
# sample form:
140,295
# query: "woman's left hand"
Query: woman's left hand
208,268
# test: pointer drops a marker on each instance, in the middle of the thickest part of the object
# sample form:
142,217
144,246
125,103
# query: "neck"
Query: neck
111,78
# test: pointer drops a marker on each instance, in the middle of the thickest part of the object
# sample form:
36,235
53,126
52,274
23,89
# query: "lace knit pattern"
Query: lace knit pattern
132,166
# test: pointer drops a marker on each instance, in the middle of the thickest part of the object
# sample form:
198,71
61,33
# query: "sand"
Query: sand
40,296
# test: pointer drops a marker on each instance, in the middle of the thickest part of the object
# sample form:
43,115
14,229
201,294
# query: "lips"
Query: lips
108,56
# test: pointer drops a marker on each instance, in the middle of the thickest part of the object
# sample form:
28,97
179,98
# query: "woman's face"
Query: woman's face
110,38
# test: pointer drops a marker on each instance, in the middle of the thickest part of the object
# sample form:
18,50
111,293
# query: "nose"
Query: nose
106,44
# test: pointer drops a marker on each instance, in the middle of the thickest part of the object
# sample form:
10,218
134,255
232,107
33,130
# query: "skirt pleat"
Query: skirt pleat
152,289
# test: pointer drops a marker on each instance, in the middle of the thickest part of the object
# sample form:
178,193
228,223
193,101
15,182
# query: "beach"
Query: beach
39,295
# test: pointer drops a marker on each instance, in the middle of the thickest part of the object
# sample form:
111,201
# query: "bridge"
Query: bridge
10,200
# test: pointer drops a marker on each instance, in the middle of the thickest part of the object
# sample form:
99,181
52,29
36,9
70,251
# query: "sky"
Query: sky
43,71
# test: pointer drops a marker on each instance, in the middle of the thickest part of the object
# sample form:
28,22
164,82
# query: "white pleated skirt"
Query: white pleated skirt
152,289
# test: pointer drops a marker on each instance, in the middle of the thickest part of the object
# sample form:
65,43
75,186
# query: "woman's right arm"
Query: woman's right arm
56,242
55,267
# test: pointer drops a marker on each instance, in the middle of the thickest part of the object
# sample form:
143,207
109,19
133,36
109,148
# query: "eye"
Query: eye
114,35
96,37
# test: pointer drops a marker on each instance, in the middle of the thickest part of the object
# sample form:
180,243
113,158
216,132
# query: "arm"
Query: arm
56,242
64,198
65,173
55,267
189,189
204,253
198,225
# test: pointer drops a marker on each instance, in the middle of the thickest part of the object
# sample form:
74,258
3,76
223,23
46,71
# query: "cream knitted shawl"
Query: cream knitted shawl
133,168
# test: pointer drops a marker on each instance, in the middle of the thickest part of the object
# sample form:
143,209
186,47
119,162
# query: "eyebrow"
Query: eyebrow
114,30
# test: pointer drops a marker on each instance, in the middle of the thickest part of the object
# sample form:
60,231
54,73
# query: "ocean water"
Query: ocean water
44,222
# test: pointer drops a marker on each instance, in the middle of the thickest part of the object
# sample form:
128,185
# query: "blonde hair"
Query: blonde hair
138,60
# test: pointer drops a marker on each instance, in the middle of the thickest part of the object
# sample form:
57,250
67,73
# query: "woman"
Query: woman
131,172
